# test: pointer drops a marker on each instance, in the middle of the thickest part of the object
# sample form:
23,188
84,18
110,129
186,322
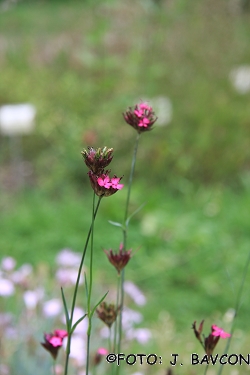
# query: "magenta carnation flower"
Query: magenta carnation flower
141,117
103,185
53,341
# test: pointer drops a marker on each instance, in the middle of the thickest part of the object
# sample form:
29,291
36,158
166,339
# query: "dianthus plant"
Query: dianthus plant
104,184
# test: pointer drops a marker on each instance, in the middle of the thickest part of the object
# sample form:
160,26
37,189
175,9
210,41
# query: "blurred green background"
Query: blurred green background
81,64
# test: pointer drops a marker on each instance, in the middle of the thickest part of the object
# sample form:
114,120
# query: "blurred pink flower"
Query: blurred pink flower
8,264
54,341
101,352
216,331
68,258
67,276
21,275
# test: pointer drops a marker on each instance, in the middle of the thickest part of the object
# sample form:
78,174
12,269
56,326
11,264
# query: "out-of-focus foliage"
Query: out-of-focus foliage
82,63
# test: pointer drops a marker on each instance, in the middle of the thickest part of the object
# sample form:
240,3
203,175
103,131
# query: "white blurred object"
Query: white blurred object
68,276
130,317
8,264
52,308
77,350
6,288
240,78
141,335
163,109
32,297
135,293
17,119
21,275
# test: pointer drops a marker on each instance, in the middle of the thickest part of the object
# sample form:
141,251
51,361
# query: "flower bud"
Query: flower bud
107,313
97,160
120,259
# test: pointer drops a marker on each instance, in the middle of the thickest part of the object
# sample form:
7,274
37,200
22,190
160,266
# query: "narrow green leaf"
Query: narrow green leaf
76,323
115,223
98,303
68,323
134,213
86,285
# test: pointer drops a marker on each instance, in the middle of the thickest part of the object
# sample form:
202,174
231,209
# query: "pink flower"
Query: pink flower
103,185
209,342
115,183
216,331
104,181
54,341
101,352
61,333
144,122
141,117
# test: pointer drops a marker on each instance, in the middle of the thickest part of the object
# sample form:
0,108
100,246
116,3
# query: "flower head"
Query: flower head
107,313
141,117
53,341
216,331
103,185
212,339
97,160
101,352
120,259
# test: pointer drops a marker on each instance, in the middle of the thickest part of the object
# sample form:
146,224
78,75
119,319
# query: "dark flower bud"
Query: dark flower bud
97,160
120,259
107,313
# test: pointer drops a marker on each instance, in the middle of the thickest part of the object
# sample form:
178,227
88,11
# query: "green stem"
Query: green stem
117,308
129,189
206,369
237,307
125,233
76,290
90,286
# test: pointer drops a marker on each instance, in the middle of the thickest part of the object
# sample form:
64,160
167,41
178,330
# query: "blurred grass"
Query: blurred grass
83,67
189,251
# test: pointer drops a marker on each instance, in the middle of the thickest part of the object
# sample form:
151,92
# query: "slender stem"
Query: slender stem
206,368
117,309
125,233
237,306
129,188
76,289
90,287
